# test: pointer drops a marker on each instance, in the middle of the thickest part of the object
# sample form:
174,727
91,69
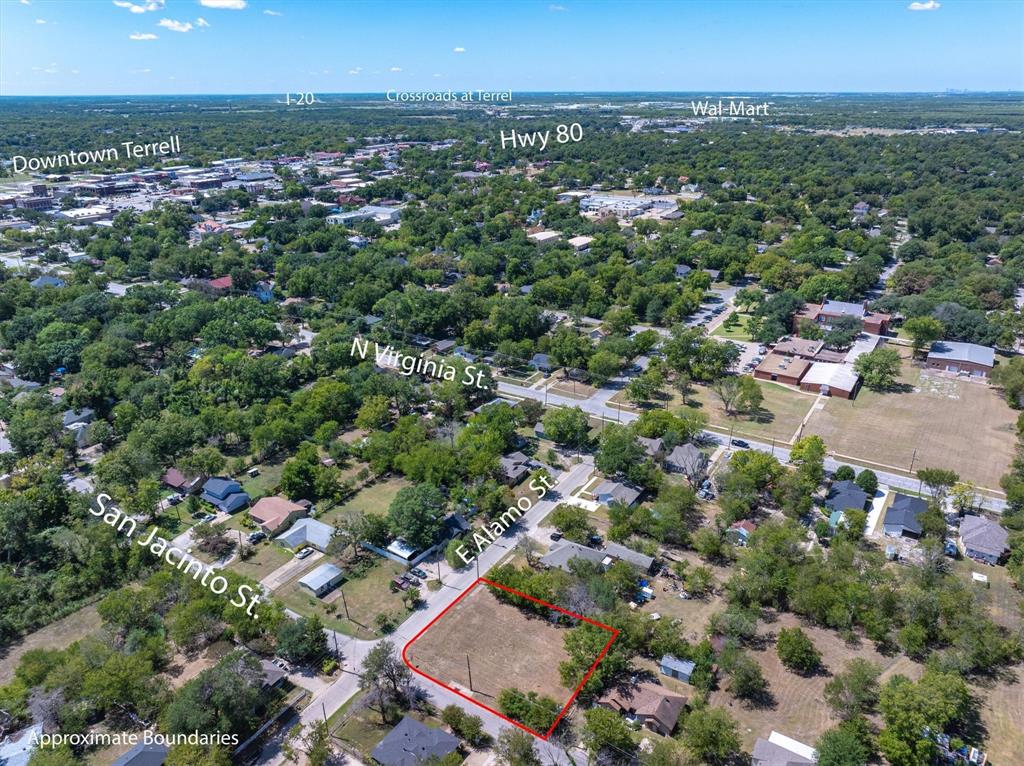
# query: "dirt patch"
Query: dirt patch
506,648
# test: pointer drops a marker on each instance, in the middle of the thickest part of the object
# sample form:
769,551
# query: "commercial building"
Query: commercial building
826,313
962,358
782,369
831,379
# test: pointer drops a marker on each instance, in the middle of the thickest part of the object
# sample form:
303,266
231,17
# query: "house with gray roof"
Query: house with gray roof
514,467
412,743
901,520
655,448
780,750
17,750
686,459
608,492
673,667
153,754
961,358
561,554
638,560
322,579
844,495
304,532
982,539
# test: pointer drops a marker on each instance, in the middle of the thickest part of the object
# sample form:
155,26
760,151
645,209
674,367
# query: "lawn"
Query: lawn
780,415
264,484
361,728
367,596
373,500
505,646
269,556
938,422
737,332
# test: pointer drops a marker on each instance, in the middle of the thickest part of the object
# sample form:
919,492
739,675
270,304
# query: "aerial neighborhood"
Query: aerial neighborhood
695,440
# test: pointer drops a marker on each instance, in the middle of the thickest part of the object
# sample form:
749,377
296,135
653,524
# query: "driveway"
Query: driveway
285,572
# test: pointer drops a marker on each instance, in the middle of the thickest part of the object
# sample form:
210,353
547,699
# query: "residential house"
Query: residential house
647,704
542,362
655,448
262,291
514,468
579,244
901,520
673,667
322,579
780,750
686,459
225,494
560,555
220,285
782,369
982,539
545,238
152,754
412,743
276,512
47,280
826,313
961,358
846,495
181,483
273,676
608,492
615,552
739,532
682,270
305,532
77,418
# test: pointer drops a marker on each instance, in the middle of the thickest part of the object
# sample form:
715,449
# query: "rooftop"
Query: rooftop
963,352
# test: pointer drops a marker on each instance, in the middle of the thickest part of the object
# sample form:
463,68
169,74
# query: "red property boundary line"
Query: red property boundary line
576,691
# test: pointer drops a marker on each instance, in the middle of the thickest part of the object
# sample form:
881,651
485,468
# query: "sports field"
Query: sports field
505,647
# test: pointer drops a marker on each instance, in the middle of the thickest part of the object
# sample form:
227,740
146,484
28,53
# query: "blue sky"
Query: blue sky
87,47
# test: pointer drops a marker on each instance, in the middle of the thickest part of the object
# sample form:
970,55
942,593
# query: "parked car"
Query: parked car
400,583
740,443
255,537
555,536
596,540
419,573
207,517
304,553
762,349
174,499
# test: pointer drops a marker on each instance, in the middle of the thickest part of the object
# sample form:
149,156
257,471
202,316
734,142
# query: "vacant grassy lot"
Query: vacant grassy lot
374,499
951,423
779,417
574,389
264,484
58,635
506,648
367,596
737,332
799,708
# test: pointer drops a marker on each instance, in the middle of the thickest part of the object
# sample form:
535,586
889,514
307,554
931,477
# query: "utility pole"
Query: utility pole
469,670
912,458
477,560
322,705
337,652
439,578
345,604
773,446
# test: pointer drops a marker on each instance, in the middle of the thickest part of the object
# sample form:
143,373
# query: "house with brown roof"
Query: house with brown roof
276,513
824,314
179,482
648,704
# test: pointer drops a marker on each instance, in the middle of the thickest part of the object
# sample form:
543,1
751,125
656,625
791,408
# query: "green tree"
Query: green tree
854,691
416,514
711,735
515,747
797,651
567,425
879,368
923,331
844,745
605,730
867,481
938,481
573,522
739,393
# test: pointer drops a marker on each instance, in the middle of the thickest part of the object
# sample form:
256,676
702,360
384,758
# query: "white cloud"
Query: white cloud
356,70
555,8
930,5
227,5
142,36
149,5
175,26
141,71
74,71
396,69
26,2
40,21
436,75
273,13
201,22
458,50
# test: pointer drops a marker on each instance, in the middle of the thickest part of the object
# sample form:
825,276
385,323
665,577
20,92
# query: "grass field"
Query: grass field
506,648
266,482
367,596
951,423
739,332
57,635
780,415
374,500
574,389
269,556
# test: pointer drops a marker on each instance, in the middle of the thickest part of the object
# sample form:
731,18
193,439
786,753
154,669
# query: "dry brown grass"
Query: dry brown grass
506,648
58,635
954,424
